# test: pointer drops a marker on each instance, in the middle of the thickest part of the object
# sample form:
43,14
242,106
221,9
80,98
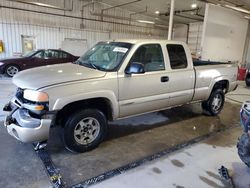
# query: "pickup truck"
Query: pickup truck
113,80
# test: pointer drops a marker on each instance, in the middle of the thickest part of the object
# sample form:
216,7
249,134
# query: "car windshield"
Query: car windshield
105,56
28,54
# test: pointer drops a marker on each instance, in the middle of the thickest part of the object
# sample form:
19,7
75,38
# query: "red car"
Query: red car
11,66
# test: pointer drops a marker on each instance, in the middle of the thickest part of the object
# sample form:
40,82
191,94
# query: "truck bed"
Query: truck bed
206,76
203,63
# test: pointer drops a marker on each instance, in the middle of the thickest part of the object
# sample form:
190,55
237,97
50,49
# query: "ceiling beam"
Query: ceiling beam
135,13
120,5
187,17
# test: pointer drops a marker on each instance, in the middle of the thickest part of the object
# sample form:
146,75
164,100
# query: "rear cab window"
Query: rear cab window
177,56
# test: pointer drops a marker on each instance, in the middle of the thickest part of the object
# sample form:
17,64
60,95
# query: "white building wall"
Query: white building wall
50,30
46,37
195,37
246,57
224,34
180,33
191,34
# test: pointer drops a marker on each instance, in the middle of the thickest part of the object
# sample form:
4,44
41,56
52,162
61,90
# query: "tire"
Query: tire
84,130
11,70
243,147
215,103
247,82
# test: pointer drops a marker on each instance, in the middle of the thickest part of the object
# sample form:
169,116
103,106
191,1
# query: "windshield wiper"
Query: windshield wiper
78,62
89,64
92,65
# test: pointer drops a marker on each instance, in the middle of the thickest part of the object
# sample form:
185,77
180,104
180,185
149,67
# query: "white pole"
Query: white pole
171,18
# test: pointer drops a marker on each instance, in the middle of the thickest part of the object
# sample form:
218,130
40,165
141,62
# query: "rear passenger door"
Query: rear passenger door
181,74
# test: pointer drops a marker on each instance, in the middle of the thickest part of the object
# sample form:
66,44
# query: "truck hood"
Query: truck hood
54,74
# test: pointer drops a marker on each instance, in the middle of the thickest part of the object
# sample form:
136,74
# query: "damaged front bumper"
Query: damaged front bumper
24,126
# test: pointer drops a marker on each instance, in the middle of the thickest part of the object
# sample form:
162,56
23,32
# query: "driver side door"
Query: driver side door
140,93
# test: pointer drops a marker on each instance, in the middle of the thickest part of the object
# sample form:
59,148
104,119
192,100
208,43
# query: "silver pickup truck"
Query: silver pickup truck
113,80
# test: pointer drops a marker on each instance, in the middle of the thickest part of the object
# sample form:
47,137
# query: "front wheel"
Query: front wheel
85,130
243,147
215,102
11,70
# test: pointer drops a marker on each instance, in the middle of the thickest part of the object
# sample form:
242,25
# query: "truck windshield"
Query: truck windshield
105,56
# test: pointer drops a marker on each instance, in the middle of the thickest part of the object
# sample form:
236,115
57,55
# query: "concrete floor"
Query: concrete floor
132,139
194,166
7,90
19,165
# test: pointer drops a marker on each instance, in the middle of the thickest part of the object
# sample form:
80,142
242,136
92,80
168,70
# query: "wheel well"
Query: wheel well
223,84
102,104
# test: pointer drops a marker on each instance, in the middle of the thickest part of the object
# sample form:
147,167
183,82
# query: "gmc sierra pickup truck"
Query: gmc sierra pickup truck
113,80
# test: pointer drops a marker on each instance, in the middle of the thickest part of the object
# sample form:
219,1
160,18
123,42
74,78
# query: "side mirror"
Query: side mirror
135,68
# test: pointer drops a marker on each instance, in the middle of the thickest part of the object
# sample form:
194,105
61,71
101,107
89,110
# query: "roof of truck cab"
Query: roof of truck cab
136,41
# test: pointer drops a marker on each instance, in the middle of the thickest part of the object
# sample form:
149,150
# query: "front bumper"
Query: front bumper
1,69
21,125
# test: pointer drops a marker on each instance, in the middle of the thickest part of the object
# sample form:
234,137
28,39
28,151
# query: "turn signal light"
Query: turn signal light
40,107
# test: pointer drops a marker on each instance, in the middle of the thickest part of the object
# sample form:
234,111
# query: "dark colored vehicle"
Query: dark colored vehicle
247,79
243,144
11,66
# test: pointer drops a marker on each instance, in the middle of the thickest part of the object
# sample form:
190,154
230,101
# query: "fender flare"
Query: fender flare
60,103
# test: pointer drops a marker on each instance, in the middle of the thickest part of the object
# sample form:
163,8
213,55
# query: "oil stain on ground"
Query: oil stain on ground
178,186
177,163
210,182
157,170
216,176
188,154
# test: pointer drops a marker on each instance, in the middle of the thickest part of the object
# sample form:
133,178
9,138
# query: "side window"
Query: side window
63,55
39,54
151,56
54,54
47,54
51,54
177,56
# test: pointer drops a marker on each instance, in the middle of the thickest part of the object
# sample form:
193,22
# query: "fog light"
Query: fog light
40,107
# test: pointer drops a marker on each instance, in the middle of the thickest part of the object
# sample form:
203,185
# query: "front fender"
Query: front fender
63,101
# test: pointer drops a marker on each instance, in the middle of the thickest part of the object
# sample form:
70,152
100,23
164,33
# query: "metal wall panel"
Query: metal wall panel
46,37
194,37
50,31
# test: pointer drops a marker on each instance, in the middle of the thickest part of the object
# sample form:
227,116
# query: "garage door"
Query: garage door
76,47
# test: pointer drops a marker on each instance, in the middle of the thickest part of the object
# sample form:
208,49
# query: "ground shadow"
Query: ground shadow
133,125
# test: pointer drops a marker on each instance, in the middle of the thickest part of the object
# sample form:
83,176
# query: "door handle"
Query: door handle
164,79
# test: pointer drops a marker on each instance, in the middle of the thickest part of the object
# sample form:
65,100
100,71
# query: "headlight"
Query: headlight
36,96
1,63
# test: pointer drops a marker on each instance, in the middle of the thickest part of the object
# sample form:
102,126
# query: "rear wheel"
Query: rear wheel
243,146
247,82
215,103
11,70
85,130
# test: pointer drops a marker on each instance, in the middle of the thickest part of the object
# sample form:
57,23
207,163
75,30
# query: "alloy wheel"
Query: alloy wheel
86,131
